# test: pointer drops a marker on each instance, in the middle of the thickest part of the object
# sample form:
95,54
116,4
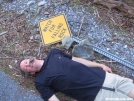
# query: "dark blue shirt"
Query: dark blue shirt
60,73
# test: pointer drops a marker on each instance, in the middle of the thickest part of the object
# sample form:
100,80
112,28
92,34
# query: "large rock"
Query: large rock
84,50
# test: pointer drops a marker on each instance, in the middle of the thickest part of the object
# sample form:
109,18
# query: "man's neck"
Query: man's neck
39,64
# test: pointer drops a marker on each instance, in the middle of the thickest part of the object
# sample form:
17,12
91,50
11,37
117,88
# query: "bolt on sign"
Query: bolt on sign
54,29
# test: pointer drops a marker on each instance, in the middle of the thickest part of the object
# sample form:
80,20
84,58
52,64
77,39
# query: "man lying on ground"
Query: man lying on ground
78,78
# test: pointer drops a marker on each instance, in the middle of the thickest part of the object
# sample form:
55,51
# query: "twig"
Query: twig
104,61
6,58
1,48
99,21
3,33
97,13
11,45
113,21
81,25
39,49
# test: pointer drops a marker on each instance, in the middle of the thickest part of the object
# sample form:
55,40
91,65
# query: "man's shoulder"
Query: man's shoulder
40,77
55,50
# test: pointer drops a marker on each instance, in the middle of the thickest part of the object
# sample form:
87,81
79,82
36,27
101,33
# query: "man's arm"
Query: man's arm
46,92
91,64
53,98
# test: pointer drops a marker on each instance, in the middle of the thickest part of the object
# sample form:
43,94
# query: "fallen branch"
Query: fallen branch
120,5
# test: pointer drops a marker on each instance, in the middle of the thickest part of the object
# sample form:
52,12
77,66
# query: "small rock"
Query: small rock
125,46
30,3
61,1
10,66
31,37
22,11
37,37
42,3
65,1
33,31
39,10
67,42
116,53
57,0
15,61
46,13
133,74
108,49
57,3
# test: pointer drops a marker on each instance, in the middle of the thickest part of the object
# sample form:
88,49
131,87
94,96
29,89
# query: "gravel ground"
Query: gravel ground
11,91
99,34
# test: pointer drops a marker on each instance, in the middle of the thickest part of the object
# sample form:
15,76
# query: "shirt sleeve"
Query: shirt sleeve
45,91
55,50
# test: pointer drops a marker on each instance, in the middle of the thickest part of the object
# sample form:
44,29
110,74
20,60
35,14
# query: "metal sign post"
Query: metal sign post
107,54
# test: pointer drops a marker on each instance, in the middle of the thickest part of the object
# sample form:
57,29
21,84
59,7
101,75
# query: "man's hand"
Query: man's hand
105,68
53,98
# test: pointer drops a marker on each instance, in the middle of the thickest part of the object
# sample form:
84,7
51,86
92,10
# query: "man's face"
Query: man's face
28,66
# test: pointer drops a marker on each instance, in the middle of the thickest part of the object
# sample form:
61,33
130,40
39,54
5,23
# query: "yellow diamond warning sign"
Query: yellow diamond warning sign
54,29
